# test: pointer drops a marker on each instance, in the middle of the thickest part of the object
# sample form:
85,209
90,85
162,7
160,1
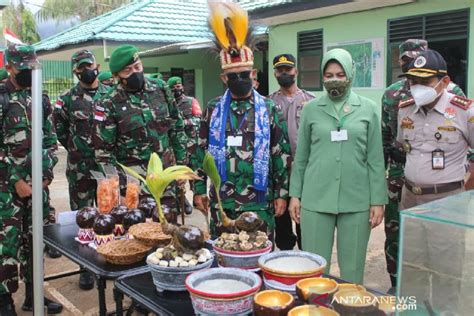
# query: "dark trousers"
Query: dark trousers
285,239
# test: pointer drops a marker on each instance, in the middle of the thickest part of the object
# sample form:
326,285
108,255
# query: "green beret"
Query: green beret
123,56
174,80
3,74
104,75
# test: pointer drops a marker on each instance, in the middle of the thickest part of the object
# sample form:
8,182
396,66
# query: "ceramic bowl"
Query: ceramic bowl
173,278
283,269
223,291
247,260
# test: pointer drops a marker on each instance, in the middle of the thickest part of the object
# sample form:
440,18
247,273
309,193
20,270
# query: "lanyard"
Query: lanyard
234,132
340,123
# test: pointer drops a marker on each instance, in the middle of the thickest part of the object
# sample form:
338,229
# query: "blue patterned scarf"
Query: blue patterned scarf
261,151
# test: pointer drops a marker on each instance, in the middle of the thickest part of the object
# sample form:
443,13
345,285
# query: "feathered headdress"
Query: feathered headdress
230,25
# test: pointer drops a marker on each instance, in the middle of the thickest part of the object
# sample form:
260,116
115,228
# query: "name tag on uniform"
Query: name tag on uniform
234,141
437,159
339,136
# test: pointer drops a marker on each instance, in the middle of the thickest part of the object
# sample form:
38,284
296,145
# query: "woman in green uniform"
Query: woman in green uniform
338,172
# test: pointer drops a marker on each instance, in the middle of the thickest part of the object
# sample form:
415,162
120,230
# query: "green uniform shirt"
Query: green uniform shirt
239,194
129,127
17,135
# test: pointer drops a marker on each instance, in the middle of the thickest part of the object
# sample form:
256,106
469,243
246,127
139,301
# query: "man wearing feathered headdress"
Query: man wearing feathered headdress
242,130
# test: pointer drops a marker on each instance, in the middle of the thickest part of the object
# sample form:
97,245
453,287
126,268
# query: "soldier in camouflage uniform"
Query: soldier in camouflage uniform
16,218
190,110
3,75
73,118
136,118
247,136
393,152
106,78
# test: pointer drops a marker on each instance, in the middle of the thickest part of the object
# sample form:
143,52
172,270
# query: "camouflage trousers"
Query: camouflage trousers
82,187
16,239
395,184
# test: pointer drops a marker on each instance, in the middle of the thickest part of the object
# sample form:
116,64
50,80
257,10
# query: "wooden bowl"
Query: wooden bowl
313,290
312,310
272,303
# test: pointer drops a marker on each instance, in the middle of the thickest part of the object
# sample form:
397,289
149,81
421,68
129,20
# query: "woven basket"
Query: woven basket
150,234
123,252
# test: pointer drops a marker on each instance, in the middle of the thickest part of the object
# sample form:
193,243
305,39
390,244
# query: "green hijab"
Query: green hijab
344,58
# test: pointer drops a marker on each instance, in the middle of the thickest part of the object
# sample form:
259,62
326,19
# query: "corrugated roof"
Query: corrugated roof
160,22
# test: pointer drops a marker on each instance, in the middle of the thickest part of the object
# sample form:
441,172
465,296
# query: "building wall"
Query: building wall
365,25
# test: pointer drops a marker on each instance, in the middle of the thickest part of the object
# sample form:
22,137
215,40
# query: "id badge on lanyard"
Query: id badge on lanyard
236,140
339,135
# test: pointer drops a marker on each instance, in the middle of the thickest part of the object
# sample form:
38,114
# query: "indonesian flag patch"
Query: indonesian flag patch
59,104
99,116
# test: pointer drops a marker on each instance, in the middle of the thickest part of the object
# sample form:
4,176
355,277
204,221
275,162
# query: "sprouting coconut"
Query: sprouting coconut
186,238
247,221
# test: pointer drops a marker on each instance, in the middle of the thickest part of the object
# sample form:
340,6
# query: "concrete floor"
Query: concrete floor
79,302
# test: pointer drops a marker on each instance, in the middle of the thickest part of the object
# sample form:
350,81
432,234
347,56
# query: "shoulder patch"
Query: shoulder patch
405,103
461,102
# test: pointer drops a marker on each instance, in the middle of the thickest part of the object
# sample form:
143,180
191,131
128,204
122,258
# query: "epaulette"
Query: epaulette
461,102
405,103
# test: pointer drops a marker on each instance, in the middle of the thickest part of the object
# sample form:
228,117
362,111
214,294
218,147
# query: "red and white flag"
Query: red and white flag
11,37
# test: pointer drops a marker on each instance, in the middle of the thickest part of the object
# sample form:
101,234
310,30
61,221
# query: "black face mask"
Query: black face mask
286,80
405,67
178,93
240,87
134,82
23,78
88,76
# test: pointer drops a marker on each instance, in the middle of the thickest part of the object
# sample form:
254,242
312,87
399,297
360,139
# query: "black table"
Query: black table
141,289
61,238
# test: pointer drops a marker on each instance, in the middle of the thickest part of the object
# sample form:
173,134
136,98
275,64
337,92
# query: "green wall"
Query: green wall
364,25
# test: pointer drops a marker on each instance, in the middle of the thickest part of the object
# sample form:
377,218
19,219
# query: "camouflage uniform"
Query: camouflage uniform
129,127
395,161
237,193
192,121
73,118
17,214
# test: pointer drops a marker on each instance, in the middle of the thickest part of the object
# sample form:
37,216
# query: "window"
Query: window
310,52
446,32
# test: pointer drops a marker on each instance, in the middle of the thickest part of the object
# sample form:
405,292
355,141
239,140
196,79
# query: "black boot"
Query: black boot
86,281
53,307
7,308
52,253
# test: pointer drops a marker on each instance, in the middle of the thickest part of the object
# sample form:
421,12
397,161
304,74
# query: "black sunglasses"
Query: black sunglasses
236,75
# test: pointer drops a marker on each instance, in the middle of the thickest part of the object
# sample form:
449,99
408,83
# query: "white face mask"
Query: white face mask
424,95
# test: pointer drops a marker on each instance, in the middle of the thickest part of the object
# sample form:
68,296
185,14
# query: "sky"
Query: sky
49,27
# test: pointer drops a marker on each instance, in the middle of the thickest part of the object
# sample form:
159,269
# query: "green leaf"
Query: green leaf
154,164
210,168
133,173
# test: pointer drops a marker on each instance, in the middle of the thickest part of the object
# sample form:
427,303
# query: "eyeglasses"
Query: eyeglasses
237,75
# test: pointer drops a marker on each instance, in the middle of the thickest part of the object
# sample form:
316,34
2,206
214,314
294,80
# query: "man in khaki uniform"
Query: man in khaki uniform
290,100
436,129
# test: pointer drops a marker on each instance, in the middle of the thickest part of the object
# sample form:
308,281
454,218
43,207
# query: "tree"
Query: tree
63,10
22,22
